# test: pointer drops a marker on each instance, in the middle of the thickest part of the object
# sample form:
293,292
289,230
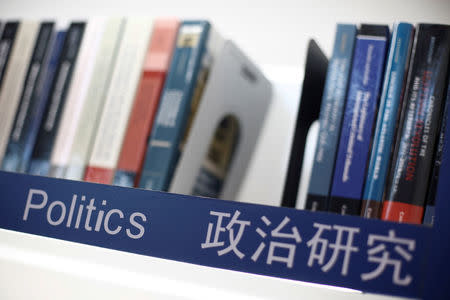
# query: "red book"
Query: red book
99,175
145,106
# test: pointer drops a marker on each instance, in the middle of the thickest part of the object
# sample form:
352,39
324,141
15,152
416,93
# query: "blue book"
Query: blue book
388,114
440,176
173,112
360,112
33,100
40,160
330,119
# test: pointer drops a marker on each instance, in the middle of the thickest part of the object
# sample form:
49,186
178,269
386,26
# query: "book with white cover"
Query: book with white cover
95,98
235,88
76,97
15,78
120,96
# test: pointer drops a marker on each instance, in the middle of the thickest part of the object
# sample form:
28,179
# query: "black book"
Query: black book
444,134
419,126
40,162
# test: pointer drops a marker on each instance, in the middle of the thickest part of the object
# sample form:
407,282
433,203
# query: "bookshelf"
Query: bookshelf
62,267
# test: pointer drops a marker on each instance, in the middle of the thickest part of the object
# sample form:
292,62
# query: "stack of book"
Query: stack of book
116,101
383,123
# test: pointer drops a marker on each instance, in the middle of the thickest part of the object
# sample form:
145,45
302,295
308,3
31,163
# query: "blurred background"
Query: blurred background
270,32
273,34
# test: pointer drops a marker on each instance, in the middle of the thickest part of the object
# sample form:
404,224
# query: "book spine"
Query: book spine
173,112
441,157
96,95
330,118
414,150
359,116
76,97
146,103
40,161
6,44
19,147
442,187
16,79
119,102
388,114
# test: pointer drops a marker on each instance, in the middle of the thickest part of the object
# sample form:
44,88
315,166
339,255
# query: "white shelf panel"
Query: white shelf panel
34,267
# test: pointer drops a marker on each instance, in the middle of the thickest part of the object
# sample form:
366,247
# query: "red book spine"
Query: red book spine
402,212
146,102
140,124
99,175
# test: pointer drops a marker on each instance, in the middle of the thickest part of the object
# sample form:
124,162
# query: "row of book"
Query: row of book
383,122
114,101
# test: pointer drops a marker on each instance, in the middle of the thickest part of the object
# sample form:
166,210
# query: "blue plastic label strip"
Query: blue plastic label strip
367,255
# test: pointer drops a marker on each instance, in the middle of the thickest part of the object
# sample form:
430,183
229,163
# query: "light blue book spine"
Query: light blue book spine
391,98
173,112
330,119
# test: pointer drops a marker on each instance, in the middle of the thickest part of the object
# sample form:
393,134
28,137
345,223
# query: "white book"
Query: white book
76,97
15,78
95,99
121,93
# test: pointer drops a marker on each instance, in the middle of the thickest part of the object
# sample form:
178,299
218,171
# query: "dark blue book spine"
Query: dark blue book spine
27,122
35,70
40,161
390,107
330,119
360,112
173,112
6,44
441,162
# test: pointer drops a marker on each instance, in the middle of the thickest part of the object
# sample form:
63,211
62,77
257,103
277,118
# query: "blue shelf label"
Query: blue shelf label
367,255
